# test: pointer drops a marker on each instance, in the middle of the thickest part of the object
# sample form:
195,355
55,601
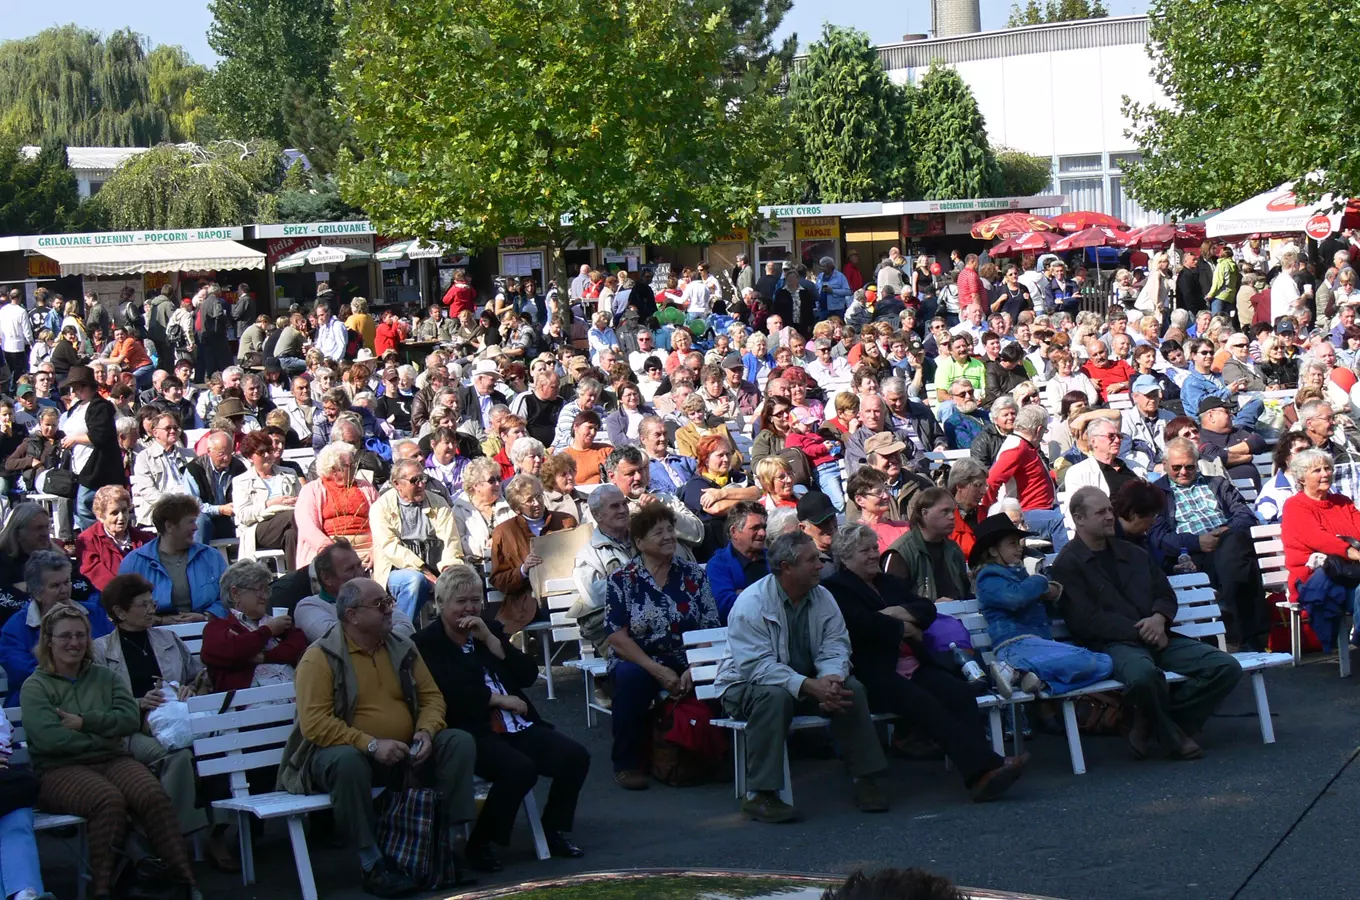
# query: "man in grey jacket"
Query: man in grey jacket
790,657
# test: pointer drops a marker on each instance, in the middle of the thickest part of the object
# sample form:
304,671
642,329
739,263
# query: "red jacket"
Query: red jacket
1019,466
1311,526
852,276
98,557
460,297
387,337
970,288
229,650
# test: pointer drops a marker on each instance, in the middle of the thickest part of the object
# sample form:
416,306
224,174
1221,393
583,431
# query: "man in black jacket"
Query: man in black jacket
213,472
483,678
92,438
1117,601
1189,288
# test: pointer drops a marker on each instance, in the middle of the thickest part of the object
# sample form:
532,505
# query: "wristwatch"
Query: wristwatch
373,747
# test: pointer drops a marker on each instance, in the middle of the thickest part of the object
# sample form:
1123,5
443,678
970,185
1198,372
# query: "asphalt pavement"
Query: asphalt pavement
1248,821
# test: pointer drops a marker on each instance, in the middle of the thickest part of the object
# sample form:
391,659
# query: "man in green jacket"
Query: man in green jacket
368,708
1223,289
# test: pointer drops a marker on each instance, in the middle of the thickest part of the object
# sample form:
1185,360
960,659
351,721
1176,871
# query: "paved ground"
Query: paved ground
1248,821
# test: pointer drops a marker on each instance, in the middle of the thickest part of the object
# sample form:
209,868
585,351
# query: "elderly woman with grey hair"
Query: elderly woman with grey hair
527,455
968,483
335,505
886,622
988,444
483,678
512,554
248,647
1318,521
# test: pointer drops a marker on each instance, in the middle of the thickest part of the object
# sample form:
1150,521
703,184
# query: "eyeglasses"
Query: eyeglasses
386,602
1181,467
418,479
69,637
961,393
1204,353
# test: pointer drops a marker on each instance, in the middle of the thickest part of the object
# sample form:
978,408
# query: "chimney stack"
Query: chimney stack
950,18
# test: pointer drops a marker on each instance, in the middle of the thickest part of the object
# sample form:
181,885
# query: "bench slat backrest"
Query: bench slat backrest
191,633
1270,556
705,649
244,732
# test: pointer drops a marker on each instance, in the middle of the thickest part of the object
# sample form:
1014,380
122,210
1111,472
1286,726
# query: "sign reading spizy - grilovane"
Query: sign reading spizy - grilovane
113,238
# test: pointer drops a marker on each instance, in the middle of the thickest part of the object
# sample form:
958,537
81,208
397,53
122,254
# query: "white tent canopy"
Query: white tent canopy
1274,212
322,258
135,259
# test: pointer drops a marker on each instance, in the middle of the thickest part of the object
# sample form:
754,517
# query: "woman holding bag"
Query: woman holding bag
144,658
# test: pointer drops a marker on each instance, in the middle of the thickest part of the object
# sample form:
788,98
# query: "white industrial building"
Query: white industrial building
1050,90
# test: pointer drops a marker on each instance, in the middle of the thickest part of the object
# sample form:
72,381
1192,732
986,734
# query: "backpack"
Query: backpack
130,318
174,333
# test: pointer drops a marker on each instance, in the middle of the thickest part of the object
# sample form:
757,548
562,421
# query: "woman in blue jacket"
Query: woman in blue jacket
1014,605
184,574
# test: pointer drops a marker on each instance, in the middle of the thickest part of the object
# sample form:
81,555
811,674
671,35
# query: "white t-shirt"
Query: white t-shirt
73,424
696,295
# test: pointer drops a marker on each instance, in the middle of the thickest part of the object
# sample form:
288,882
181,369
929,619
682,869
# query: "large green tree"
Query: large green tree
1022,174
555,120
223,183
271,50
1258,95
38,194
70,84
754,22
851,122
1035,13
953,158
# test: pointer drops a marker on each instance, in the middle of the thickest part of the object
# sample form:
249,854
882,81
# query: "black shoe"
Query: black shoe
482,858
383,880
560,845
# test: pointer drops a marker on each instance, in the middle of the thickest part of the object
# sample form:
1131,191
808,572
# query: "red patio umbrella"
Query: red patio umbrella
1095,236
1009,225
1080,220
1160,237
1029,242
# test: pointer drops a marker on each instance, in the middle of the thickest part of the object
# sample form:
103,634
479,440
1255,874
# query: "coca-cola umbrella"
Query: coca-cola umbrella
1160,237
1080,220
1029,242
1008,225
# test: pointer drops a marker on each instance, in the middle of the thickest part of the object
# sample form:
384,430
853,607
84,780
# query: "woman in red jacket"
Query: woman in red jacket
249,648
460,295
101,547
1313,522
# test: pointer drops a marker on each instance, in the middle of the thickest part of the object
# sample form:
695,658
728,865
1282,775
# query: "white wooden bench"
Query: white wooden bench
1198,616
249,733
708,648
1270,557
1265,465
78,845
559,594
591,667
225,546
1246,488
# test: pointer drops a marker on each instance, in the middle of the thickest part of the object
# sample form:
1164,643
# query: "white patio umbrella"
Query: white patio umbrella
320,259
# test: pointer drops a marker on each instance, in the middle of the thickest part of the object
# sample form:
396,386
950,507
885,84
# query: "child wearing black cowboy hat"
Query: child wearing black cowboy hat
1015,605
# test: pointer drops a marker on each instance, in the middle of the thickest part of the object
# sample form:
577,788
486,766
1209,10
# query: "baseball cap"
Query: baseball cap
23,389
803,415
733,361
814,507
1146,384
1209,403
1284,325
884,444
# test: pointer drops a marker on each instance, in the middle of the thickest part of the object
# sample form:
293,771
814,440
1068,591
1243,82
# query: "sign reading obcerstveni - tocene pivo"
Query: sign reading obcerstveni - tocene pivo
120,238
314,229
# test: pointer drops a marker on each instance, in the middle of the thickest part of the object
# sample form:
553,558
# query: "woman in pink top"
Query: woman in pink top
868,490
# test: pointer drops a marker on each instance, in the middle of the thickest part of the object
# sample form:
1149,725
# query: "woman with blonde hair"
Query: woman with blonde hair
775,477
558,474
1155,297
512,555
361,322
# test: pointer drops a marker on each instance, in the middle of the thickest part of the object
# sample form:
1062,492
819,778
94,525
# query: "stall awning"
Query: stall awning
134,259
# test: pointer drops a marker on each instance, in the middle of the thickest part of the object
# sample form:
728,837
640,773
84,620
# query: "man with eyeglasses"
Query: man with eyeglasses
965,423
394,714
160,469
960,364
1207,518
1203,383
1145,424
415,537
1104,468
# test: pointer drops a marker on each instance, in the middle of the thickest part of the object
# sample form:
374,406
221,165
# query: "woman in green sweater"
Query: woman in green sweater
78,716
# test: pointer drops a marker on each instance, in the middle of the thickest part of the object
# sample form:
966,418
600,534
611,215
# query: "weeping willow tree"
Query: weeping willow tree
188,186
72,85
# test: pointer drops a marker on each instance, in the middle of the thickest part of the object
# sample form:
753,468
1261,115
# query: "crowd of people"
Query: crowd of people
757,451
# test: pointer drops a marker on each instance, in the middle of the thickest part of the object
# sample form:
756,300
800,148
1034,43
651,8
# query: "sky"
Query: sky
185,22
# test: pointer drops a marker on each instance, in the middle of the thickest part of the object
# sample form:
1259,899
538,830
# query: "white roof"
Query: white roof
93,158
134,259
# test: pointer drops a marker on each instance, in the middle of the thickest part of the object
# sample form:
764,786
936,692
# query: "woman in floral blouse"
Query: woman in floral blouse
651,602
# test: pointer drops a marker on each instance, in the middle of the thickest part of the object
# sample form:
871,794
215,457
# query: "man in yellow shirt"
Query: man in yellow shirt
367,704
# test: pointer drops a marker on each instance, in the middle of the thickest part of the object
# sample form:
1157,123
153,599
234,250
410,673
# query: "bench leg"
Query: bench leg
1343,646
301,857
787,793
246,843
536,826
547,663
1258,688
1017,733
998,733
590,695
83,849
739,763
1296,635
1073,737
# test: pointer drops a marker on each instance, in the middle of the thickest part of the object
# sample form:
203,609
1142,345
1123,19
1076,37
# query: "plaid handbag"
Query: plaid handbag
410,832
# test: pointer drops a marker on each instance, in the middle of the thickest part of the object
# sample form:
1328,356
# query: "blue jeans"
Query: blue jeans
1049,524
18,853
84,507
1065,667
829,480
411,589
292,365
1251,411
634,692
143,376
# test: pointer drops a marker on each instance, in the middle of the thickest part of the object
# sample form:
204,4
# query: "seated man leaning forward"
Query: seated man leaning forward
393,715
1116,601
791,656
335,566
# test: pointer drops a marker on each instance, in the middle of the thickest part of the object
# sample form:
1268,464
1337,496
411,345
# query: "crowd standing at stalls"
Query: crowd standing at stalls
811,457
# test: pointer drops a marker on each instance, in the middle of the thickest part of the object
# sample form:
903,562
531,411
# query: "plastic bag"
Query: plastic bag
169,722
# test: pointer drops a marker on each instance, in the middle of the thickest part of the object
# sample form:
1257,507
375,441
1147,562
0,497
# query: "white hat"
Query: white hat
363,354
485,367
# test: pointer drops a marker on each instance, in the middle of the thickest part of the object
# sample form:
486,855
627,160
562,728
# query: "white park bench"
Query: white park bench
78,845
1198,616
1246,488
705,652
1270,557
248,732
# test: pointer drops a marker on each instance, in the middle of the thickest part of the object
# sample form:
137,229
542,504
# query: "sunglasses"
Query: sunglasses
1186,467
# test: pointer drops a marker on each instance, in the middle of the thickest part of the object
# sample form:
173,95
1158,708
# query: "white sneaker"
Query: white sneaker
1031,683
1003,677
